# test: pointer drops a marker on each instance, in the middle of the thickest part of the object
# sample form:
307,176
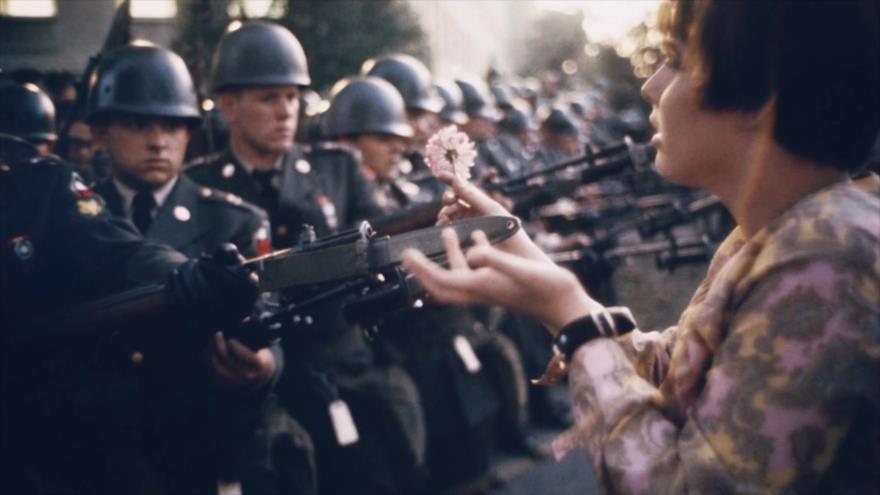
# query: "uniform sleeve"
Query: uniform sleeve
252,236
109,248
797,366
362,202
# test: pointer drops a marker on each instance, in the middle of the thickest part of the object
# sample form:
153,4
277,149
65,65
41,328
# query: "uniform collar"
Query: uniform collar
127,194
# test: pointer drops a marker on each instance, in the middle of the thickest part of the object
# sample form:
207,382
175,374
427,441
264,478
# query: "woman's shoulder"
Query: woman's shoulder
840,222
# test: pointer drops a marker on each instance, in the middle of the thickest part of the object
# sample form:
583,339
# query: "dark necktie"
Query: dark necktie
142,210
268,191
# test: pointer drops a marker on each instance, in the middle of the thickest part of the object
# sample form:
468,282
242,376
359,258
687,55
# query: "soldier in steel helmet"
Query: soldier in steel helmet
482,127
365,422
142,107
368,114
73,420
28,113
414,82
258,72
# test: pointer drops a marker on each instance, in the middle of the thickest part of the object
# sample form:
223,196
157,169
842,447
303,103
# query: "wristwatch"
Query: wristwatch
606,322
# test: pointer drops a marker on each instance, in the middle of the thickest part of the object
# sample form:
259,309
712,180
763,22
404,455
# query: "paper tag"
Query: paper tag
467,354
228,487
343,423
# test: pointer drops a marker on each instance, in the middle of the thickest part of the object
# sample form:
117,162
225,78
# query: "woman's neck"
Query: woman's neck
771,181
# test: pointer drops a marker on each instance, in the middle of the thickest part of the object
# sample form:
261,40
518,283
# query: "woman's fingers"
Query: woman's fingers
480,203
444,285
456,258
480,239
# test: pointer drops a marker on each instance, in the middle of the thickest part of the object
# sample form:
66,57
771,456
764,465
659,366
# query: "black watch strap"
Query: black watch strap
607,322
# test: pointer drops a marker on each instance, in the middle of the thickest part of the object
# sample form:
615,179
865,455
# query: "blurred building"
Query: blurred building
63,34
470,36
464,35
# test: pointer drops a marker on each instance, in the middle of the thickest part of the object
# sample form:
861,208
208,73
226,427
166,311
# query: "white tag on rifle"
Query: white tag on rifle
467,354
343,423
228,487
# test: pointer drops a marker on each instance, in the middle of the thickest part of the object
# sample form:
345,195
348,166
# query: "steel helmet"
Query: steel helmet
143,79
259,54
411,78
452,98
477,100
27,112
367,105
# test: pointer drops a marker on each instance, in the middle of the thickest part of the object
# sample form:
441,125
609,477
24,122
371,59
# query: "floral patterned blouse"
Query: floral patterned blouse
770,382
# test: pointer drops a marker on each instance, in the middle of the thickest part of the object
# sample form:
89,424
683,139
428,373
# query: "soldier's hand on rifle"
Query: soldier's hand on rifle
213,292
236,365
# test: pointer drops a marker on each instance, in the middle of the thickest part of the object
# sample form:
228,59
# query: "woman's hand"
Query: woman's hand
470,201
487,275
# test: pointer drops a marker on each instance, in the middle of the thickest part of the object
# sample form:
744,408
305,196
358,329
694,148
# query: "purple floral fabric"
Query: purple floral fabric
770,382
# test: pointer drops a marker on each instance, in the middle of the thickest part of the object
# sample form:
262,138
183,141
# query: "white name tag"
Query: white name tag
467,354
228,487
343,423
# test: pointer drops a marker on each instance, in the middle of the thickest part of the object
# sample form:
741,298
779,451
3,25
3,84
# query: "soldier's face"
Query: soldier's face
424,125
81,148
264,119
381,153
144,152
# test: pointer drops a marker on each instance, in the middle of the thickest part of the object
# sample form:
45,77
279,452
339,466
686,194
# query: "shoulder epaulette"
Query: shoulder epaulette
204,160
229,199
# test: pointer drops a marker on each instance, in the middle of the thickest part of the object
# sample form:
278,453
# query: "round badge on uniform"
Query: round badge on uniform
23,248
182,213
228,170
303,166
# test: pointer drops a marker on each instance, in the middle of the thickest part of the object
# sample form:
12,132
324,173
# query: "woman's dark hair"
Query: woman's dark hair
819,59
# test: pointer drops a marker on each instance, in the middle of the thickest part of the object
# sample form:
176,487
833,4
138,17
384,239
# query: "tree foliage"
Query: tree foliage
337,35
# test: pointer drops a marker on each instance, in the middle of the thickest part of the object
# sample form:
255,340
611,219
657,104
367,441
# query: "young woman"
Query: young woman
768,383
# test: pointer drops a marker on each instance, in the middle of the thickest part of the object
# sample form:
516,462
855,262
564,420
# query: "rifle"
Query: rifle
665,220
668,253
355,270
538,188
599,166
415,217
118,35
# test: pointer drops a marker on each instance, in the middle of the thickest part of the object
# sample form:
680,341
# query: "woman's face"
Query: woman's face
693,144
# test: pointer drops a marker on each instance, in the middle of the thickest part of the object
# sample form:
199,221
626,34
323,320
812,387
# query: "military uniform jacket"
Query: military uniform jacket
60,247
196,220
322,187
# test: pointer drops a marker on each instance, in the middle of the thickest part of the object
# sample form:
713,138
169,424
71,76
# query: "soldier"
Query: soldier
368,114
69,424
452,99
142,108
482,127
365,422
423,106
28,113
257,75
559,137
516,134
